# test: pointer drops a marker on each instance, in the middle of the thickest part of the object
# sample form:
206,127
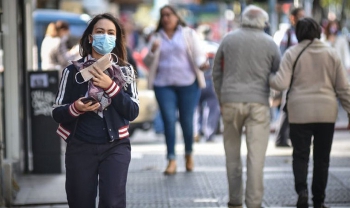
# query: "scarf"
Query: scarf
121,75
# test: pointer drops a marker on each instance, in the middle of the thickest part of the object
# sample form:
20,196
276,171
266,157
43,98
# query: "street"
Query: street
206,186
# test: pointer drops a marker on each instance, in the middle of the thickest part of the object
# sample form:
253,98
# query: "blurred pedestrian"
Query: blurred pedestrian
338,41
96,131
68,48
242,65
314,74
207,114
289,39
49,48
175,60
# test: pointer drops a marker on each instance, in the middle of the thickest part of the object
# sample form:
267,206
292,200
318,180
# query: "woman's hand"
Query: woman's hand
205,66
100,79
155,46
80,106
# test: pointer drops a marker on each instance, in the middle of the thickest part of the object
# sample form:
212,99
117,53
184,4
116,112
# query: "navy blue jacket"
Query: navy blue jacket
124,106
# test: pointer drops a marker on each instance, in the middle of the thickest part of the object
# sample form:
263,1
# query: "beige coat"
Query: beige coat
195,52
319,79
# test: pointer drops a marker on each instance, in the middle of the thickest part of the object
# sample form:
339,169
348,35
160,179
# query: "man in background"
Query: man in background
242,65
289,39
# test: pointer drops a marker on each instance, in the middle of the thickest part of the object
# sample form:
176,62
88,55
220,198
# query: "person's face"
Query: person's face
295,19
104,26
62,32
103,32
168,19
333,29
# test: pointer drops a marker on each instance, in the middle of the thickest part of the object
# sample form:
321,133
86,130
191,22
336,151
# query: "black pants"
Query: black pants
301,135
91,165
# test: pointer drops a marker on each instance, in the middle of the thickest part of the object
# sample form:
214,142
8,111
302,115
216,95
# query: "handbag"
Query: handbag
291,80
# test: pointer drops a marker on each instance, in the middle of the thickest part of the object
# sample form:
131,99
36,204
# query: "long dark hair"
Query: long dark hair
328,27
173,10
120,46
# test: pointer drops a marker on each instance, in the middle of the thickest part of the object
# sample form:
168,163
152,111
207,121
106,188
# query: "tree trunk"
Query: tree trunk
317,11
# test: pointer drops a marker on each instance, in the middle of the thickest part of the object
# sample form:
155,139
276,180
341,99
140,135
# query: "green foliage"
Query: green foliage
325,3
225,1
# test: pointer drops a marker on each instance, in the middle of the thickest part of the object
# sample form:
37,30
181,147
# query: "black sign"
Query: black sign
46,144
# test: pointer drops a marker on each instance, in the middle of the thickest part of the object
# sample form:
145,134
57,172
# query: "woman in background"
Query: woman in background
316,82
49,48
338,41
175,60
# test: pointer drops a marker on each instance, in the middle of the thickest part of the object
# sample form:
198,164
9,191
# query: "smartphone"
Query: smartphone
88,99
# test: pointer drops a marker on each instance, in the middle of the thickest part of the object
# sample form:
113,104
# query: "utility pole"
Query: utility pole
2,200
343,15
308,7
273,16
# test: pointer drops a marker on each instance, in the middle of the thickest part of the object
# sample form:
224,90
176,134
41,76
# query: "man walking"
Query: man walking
242,65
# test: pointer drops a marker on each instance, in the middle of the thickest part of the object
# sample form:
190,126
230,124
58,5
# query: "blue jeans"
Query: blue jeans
173,101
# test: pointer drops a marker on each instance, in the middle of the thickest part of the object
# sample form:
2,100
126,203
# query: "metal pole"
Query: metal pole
343,16
272,17
243,5
308,7
296,3
2,201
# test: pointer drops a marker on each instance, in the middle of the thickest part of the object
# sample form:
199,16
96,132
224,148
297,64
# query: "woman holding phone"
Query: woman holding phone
94,114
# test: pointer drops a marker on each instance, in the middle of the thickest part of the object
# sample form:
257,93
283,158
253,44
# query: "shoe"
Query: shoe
196,138
282,145
189,163
210,140
303,199
321,206
171,168
234,206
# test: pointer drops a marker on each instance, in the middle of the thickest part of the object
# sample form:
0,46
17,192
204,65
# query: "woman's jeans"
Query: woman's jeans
301,136
173,102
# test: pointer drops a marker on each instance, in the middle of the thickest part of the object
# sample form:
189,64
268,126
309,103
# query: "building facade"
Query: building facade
15,55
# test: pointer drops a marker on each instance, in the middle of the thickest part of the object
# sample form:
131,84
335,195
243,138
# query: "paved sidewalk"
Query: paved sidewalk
205,187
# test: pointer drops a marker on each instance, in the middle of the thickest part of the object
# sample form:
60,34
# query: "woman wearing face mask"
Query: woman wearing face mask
174,60
96,131
335,39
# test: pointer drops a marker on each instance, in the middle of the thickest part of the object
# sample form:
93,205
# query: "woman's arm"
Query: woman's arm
281,79
153,48
125,101
199,54
218,70
341,83
64,109
345,53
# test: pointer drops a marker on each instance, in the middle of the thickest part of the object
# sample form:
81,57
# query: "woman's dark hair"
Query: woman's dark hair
328,26
120,46
173,10
307,29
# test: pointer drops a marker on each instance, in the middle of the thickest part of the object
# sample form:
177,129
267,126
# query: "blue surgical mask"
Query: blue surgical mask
103,43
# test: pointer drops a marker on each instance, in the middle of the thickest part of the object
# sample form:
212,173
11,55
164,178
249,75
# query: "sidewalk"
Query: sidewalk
205,187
